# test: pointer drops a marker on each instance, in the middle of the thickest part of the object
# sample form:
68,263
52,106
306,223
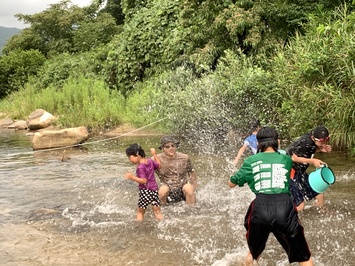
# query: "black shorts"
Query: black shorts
275,214
300,188
176,195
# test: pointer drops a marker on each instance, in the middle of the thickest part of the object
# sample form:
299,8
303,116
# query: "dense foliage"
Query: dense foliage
16,67
317,76
207,67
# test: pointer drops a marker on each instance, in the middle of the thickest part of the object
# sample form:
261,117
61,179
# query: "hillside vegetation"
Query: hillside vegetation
206,67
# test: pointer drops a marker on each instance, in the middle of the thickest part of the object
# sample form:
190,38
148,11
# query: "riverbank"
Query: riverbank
124,129
129,130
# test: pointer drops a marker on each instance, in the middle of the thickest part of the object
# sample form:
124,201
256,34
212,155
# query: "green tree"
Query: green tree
15,69
57,70
64,28
150,40
114,8
129,7
52,29
94,33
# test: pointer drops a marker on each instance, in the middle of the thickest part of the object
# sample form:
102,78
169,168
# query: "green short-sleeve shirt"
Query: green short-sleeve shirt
265,172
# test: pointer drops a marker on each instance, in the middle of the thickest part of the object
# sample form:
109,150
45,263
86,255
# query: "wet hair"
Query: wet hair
267,137
320,132
135,150
254,124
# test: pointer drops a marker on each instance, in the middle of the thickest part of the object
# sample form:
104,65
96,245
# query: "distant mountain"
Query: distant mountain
5,35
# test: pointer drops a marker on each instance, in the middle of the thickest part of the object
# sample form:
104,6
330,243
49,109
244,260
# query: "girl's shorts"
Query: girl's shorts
146,197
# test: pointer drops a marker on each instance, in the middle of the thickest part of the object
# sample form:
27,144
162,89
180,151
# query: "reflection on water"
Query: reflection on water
75,207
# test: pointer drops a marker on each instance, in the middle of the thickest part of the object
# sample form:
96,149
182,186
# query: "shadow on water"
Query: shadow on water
78,209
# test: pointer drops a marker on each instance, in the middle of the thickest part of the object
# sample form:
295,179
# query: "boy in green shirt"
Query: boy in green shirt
267,174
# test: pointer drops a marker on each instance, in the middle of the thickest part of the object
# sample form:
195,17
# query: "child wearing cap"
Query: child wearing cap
267,174
302,152
147,185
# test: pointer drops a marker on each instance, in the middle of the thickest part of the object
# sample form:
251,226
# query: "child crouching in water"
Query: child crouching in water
147,185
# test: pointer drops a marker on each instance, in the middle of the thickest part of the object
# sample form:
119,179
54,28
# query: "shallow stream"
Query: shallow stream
74,207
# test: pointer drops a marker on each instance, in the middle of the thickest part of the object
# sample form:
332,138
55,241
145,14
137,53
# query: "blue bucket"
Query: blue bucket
321,179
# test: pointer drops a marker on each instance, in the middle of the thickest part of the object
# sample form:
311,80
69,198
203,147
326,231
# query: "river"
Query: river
74,207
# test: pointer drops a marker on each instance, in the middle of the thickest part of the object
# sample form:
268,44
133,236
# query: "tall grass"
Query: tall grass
141,108
316,74
80,101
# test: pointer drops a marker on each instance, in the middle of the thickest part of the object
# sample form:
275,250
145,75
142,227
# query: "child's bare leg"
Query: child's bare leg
163,194
249,261
300,207
157,212
307,263
140,214
319,200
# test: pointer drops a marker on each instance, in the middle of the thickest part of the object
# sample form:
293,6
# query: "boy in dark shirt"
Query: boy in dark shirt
302,152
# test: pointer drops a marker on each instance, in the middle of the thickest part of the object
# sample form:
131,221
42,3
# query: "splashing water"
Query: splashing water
82,211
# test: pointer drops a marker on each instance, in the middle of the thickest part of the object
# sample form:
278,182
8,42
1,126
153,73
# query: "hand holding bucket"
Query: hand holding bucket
321,179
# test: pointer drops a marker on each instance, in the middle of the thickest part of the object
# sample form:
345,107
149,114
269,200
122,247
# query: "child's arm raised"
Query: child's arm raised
155,157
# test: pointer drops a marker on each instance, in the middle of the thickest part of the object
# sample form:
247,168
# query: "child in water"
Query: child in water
147,185
267,174
250,142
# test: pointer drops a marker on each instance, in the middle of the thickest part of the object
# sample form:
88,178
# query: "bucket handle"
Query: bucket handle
326,165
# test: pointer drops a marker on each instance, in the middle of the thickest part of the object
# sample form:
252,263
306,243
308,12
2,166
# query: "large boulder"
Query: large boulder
40,119
68,137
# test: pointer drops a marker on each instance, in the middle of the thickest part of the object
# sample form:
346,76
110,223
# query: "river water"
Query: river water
73,207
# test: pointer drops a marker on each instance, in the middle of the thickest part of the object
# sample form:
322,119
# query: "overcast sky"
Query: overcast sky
8,8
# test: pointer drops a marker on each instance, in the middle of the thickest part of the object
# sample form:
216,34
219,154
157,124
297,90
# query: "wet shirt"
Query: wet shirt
303,147
147,171
252,143
265,172
174,171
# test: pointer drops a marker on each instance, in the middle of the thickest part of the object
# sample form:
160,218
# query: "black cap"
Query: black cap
320,132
